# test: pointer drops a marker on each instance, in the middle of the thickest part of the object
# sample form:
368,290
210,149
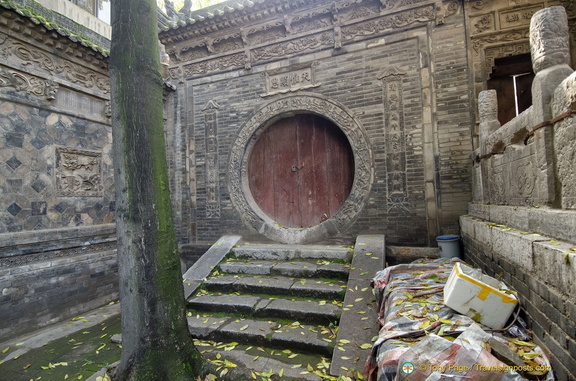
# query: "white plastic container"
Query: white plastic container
479,296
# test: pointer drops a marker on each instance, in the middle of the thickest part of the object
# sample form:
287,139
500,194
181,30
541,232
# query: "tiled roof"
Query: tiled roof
38,19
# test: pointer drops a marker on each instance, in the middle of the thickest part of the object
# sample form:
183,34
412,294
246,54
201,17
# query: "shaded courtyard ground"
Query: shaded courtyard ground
71,350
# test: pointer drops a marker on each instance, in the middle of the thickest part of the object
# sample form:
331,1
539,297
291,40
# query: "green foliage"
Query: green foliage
196,4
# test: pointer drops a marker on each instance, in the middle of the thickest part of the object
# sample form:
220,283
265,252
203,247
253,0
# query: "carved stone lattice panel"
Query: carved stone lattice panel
249,133
26,55
211,146
285,82
387,23
78,173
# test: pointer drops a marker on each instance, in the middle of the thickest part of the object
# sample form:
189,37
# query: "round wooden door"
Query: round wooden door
301,170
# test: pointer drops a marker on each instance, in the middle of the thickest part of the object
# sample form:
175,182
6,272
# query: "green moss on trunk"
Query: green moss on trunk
156,341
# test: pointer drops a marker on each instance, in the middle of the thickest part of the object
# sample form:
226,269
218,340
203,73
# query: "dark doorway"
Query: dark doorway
512,78
301,170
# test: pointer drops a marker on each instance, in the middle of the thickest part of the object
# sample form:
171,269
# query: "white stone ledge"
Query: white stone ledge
557,224
550,260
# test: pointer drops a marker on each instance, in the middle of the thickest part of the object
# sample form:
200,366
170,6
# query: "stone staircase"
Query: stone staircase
274,311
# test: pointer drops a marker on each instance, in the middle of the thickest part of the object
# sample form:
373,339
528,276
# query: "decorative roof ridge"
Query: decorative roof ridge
226,8
40,20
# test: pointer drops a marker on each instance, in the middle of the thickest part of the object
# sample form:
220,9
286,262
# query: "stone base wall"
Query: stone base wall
543,271
53,275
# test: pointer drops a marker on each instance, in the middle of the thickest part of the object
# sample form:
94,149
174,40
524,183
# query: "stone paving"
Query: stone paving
290,315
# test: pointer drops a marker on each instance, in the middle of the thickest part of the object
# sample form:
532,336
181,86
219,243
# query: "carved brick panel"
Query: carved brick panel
395,137
517,17
211,146
399,20
26,55
78,173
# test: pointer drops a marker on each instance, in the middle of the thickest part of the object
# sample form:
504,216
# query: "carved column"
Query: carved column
488,113
549,45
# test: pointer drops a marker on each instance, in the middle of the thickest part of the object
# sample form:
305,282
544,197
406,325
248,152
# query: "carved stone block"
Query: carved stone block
549,39
78,173
281,83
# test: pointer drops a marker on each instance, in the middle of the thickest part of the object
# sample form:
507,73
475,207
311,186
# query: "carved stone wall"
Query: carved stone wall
500,28
367,66
523,224
56,139
57,240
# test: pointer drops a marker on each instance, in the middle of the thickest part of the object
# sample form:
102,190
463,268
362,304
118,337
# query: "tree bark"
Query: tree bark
156,343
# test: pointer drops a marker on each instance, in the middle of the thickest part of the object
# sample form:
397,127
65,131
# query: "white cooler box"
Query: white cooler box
479,296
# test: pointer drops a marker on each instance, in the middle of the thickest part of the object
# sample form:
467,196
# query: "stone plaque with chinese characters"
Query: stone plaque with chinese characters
78,173
291,81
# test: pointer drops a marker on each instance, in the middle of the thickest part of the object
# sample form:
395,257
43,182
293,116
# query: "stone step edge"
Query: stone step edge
276,286
265,365
358,322
192,278
303,269
286,252
308,311
303,338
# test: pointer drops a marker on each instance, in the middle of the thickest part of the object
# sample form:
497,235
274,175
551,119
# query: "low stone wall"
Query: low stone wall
53,275
543,271
523,222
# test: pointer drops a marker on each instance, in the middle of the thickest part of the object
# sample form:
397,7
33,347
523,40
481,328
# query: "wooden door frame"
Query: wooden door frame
249,133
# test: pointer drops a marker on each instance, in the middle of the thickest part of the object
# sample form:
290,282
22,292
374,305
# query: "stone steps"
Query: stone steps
266,363
280,299
267,308
297,269
268,333
291,252
277,285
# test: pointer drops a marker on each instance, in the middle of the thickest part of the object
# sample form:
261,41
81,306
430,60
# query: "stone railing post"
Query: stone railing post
488,113
549,45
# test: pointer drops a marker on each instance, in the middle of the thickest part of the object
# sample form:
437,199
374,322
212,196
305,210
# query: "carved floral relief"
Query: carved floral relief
78,173
27,55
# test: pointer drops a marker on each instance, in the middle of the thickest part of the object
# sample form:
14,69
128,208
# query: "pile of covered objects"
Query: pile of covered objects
422,338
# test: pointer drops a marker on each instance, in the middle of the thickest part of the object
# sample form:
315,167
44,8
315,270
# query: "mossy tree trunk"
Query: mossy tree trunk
156,344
